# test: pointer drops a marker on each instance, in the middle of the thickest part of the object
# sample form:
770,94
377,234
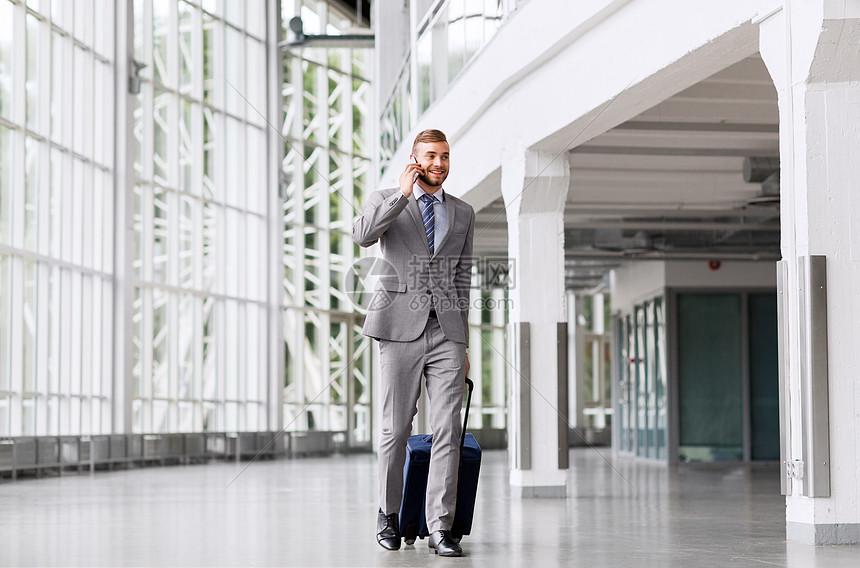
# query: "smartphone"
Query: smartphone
415,177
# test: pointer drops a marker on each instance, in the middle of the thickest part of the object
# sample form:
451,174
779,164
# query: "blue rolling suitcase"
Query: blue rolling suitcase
412,519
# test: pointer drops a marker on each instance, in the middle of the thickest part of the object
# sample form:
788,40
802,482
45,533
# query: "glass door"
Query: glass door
641,384
660,431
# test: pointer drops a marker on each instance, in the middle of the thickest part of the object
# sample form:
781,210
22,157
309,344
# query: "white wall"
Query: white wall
729,274
635,282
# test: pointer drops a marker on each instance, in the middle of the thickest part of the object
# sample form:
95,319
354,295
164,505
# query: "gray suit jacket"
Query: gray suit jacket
411,281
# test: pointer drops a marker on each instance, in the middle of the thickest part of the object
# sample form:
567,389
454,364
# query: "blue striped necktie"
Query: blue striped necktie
429,216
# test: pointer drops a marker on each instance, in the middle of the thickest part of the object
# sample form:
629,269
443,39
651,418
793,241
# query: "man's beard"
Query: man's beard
424,178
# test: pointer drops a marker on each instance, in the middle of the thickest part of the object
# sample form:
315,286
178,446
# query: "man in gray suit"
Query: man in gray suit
419,314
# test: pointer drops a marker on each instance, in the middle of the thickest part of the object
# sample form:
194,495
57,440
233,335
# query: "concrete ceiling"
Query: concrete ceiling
669,183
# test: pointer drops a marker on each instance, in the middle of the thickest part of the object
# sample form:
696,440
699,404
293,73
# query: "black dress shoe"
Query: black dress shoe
442,544
388,531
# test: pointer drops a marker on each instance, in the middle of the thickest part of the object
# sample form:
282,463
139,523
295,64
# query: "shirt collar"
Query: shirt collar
418,191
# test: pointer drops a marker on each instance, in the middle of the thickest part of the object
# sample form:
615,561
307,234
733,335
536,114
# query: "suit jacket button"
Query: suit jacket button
429,291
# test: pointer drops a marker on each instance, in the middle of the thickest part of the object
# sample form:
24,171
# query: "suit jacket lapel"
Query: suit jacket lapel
419,222
451,209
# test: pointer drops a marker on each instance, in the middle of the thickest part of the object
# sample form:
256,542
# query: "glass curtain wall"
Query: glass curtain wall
446,38
597,387
487,357
56,216
199,307
199,333
325,172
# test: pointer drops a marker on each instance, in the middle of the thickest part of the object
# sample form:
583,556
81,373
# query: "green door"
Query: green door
764,377
710,379
711,354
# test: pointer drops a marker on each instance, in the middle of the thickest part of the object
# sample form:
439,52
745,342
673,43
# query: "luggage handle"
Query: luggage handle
471,386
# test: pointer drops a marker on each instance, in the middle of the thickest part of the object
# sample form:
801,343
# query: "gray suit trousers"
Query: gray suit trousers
443,364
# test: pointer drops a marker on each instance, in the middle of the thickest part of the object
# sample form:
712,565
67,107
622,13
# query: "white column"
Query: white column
274,229
812,50
534,187
123,283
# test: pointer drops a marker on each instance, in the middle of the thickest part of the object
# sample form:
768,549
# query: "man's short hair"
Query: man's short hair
428,136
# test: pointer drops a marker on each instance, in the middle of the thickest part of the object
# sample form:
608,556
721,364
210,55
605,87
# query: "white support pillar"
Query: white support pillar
123,282
812,50
534,187
274,229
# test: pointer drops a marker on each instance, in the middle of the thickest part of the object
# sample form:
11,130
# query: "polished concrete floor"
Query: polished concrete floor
321,512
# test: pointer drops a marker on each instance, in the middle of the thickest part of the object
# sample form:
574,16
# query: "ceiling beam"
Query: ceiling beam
672,151
671,255
671,226
698,126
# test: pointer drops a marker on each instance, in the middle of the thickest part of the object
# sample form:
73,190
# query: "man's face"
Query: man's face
434,158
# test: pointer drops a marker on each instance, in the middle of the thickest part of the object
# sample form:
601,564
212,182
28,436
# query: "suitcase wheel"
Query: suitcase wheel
409,540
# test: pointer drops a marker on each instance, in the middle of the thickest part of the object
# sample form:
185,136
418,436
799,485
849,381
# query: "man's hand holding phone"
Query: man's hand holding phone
408,177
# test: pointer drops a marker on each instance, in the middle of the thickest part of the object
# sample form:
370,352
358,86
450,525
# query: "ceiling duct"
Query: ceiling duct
770,186
296,37
613,240
764,171
587,276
